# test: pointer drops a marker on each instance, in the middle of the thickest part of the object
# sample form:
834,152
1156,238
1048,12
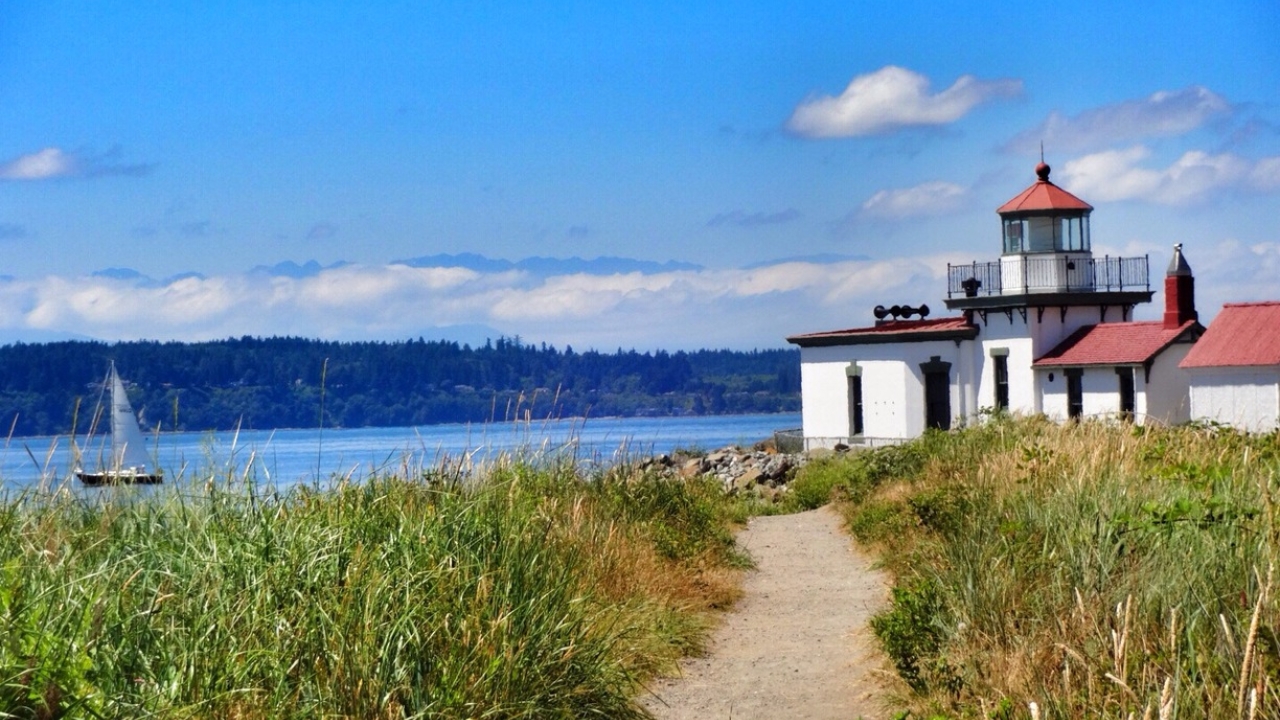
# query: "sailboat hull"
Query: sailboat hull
119,477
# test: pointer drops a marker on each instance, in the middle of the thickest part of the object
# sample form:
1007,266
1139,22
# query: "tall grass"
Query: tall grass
526,593
1095,570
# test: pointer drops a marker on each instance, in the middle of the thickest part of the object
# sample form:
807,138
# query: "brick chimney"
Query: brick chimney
1179,291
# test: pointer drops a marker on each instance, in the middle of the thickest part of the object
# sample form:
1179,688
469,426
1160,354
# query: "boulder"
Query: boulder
747,480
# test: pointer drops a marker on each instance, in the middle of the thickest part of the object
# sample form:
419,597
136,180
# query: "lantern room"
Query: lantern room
1047,260
1045,218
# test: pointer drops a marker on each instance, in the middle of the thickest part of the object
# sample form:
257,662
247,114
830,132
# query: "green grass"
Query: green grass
1097,570
528,592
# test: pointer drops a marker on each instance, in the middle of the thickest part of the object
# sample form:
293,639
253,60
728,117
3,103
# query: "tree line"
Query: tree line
262,383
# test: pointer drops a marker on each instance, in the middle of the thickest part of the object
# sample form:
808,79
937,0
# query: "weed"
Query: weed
1100,569
525,591
909,630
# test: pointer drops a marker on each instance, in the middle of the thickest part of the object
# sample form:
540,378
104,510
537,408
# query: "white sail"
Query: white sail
128,445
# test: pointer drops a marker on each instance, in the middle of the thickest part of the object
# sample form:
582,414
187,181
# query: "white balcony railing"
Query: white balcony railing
1056,273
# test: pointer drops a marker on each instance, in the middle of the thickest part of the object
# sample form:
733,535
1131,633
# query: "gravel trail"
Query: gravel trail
798,644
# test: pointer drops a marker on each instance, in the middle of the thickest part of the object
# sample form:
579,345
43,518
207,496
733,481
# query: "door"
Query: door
937,393
855,405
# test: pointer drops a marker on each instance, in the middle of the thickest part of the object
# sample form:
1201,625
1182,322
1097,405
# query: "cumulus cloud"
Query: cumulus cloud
1229,270
1266,174
930,198
742,218
52,163
672,309
1118,175
892,98
1162,114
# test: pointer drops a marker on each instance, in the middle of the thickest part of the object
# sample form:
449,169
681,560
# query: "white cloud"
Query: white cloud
743,308
931,198
892,98
1162,114
40,165
51,163
1231,271
685,309
1118,175
1266,174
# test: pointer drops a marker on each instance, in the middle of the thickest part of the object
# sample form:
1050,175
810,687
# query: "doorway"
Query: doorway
937,393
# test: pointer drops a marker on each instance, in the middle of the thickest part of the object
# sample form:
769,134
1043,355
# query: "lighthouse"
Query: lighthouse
1044,328
1047,261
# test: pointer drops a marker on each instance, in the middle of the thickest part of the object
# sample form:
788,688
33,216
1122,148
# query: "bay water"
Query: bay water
320,456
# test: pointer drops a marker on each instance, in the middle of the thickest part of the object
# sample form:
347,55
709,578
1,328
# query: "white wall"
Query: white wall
1025,341
892,388
1101,392
1247,397
893,385
1168,393
1000,333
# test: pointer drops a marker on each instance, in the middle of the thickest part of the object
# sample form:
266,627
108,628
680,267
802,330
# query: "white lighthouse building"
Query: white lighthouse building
1045,328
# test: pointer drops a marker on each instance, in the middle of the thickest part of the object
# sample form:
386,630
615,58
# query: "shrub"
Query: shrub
909,629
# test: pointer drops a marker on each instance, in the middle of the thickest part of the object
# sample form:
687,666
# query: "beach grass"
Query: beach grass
1097,569
523,590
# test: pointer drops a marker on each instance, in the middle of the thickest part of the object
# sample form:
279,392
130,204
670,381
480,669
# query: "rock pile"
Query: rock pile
741,470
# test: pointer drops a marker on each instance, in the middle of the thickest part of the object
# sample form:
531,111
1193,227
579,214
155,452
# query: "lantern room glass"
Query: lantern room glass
1046,234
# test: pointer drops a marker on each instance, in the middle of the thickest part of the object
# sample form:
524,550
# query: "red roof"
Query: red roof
1242,334
889,331
1127,343
1043,195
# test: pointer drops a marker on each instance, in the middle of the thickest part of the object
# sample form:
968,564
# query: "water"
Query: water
287,457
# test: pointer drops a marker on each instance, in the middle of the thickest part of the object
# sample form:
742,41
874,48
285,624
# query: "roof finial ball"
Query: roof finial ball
1042,171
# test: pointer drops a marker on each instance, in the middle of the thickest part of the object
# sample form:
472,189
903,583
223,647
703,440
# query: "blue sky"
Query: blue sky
193,143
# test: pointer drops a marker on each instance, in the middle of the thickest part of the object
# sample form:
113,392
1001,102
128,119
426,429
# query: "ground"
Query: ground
798,645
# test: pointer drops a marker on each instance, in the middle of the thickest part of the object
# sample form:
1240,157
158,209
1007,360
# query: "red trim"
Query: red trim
888,331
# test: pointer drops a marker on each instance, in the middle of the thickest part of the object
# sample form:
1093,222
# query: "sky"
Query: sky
706,174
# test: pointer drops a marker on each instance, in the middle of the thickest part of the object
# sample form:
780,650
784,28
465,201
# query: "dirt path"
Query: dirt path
797,645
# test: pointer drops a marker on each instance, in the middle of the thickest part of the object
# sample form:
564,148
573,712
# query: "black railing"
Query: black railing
1026,274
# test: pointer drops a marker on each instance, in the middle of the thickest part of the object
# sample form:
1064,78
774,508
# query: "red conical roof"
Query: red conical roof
1043,196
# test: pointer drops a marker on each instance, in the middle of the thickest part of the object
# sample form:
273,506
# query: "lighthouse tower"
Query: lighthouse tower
1047,261
1046,285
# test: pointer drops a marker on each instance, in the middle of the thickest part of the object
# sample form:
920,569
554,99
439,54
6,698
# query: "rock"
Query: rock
739,470
746,480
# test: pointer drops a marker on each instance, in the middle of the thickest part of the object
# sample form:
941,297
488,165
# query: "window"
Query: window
1013,234
1126,392
855,405
1002,381
1075,393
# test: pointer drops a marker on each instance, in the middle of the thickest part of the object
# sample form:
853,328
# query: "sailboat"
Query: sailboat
128,462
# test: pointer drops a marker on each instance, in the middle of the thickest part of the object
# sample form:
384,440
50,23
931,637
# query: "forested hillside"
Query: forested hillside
288,382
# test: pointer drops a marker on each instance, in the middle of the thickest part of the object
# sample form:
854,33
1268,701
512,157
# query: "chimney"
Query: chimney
1179,292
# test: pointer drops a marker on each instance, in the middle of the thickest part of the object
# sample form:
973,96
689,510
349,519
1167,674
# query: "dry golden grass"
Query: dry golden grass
1095,569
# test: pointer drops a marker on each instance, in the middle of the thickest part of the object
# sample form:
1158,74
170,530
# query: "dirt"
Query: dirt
798,644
